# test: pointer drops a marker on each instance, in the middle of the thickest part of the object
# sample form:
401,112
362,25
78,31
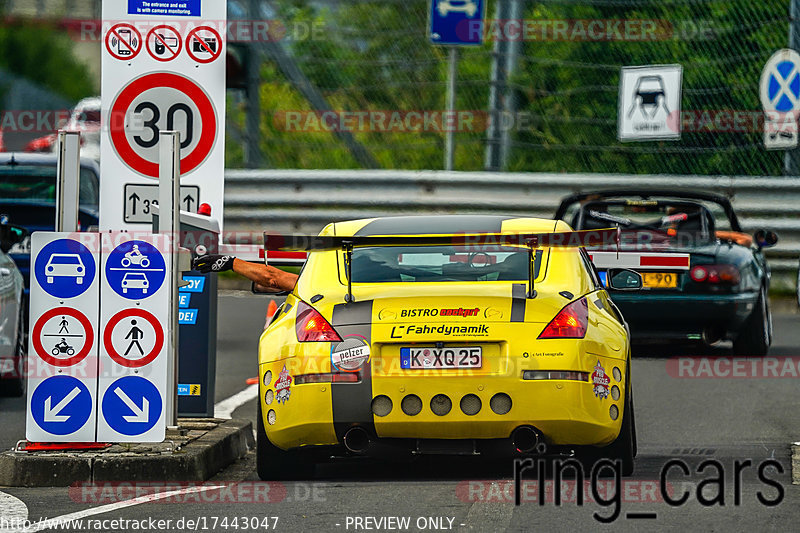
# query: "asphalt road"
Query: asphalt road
727,418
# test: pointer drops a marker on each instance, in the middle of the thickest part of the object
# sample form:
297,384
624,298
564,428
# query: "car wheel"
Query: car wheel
15,387
755,337
272,463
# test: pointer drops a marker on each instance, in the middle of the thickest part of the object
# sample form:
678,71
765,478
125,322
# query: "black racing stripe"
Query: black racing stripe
352,402
519,293
434,225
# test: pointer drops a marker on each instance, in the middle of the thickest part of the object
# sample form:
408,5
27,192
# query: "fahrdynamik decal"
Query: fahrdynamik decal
600,381
283,386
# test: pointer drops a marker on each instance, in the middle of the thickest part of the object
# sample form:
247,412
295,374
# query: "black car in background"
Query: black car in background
27,199
704,279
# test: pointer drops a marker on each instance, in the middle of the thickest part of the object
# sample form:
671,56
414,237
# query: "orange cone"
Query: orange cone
271,308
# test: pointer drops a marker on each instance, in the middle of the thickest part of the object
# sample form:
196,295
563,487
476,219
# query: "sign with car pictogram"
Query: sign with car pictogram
134,318
177,85
63,344
650,103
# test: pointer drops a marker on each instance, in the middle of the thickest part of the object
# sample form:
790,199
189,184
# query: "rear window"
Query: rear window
37,183
441,263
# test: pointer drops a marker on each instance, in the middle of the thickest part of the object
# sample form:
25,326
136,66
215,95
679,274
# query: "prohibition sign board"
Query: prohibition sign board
163,43
185,99
46,352
132,338
123,42
209,42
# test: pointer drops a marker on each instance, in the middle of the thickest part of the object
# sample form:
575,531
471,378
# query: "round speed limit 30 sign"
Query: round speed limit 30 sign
156,102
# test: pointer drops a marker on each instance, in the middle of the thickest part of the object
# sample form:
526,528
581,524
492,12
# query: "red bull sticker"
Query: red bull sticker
600,381
350,354
283,386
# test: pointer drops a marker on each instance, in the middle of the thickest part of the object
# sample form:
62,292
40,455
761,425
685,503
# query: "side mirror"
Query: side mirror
265,291
623,279
765,239
10,235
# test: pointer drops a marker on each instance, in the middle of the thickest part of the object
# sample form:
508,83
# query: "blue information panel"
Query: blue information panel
196,284
135,270
61,405
132,405
64,268
457,22
187,316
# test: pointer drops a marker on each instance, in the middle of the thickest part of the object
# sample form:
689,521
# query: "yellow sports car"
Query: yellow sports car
445,335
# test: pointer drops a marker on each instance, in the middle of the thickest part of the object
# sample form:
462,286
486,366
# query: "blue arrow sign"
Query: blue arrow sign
61,405
132,405
457,22
64,268
135,270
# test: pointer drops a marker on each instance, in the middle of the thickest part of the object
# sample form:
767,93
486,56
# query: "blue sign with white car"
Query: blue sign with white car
64,268
457,22
135,270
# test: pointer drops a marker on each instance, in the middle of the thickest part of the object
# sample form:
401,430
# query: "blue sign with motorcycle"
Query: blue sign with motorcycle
135,270
132,405
64,268
457,22
61,405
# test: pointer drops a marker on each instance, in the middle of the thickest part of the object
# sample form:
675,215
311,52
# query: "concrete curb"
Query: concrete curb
199,460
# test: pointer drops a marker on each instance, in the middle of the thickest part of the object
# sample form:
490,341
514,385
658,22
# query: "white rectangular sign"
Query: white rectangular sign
162,69
140,199
63,342
650,103
134,333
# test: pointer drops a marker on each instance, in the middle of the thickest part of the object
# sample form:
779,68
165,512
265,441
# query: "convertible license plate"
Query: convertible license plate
461,357
660,280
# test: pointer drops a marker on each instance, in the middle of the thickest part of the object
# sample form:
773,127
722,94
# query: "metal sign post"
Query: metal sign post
68,180
169,173
449,147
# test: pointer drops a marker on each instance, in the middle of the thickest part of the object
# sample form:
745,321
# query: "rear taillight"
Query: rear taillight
570,323
728,274
327,377
312,326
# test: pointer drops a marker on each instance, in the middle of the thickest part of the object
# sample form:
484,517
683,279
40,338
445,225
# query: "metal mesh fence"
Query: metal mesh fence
556,79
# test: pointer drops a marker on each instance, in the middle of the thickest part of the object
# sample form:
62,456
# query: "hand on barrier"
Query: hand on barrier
213,263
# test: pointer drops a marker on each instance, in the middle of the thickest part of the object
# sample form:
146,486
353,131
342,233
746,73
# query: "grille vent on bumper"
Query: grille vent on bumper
470,404
441,404
411,405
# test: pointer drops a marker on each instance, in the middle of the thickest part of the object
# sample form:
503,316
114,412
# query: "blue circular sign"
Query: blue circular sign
132,405
61,405
64,268
135,270
783,87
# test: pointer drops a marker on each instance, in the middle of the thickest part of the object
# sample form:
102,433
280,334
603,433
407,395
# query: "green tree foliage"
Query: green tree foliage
44,55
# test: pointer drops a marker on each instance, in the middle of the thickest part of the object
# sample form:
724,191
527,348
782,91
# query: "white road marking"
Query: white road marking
49,523
225,408
13,511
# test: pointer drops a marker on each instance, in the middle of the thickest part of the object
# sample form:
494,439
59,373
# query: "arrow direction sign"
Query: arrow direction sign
188,200
53,415
140,199
70,415
140,415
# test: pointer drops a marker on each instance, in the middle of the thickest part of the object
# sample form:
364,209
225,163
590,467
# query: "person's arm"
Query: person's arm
264,276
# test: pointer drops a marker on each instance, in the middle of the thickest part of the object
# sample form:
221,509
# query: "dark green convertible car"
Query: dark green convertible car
704,279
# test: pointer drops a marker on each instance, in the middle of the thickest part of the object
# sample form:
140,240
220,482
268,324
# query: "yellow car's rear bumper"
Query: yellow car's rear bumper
566,412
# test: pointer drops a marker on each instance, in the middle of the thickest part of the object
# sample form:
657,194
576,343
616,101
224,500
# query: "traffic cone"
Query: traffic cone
271,308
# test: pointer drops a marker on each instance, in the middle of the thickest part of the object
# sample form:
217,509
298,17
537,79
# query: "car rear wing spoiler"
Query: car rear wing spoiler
531,241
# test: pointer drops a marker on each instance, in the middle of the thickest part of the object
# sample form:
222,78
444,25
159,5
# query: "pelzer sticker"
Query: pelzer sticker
283,386
600,381
350,354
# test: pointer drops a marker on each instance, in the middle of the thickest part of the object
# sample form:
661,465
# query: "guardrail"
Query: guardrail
306,200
